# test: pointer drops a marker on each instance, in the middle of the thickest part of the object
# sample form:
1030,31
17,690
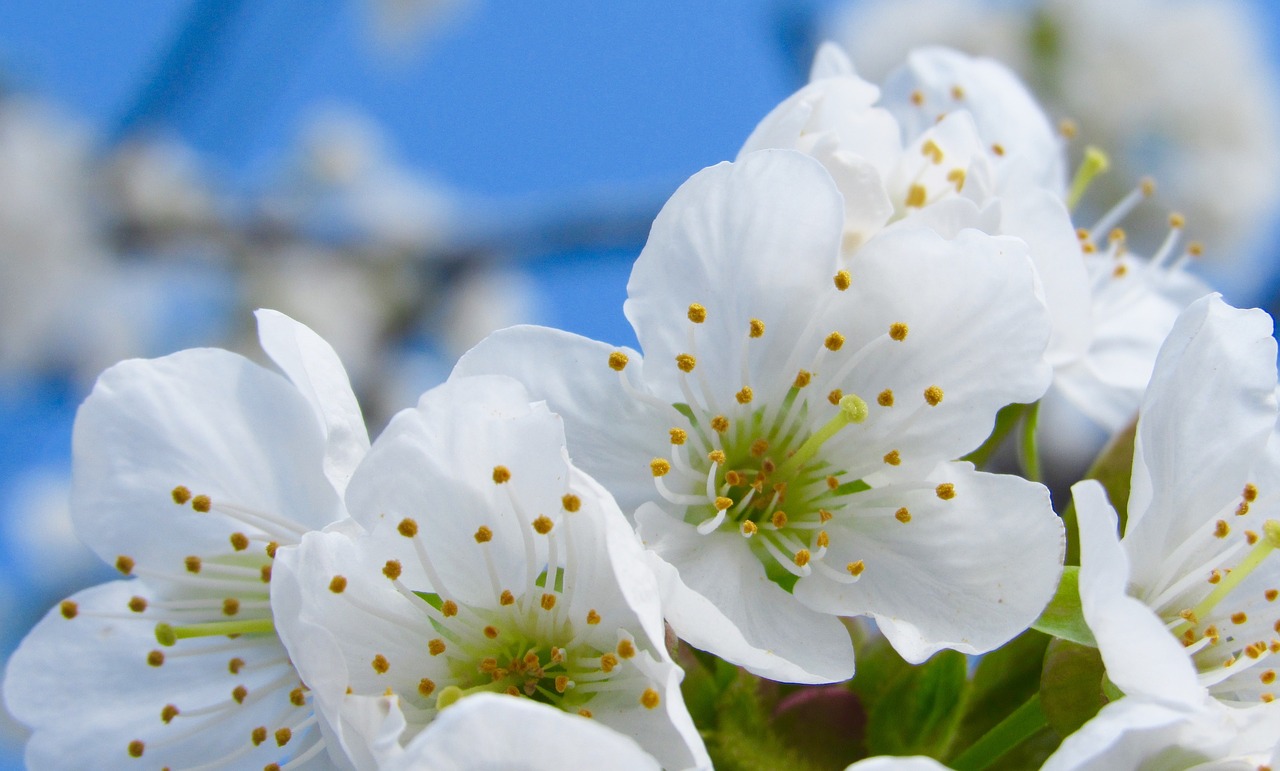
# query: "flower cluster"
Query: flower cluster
782,510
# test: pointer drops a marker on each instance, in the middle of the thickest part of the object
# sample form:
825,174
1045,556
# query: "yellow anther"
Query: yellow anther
1187,614
779,519
408,527
1068,128
832,483
435,647
946,491
802,379
239,693
825,516
192,564
998,149
801,558
202,504
759,447
506,598
823,540
660,467
1195,249
843,280
136,604
543,524
835,396
931,151
933,395
855,568
1117,236
548,601
1215,576
607,662
338,584
1250,537
755,328
679,436
1239,618
734,478
391,569
898,331
491,632
916,196
168,713
593,617
1268,677
686,363
155,658
181,495
902,515
957,93
720,424
1177,221
893,457
69,609
124,564
426,686
501,474
239,541
723,503
1221,529
449,608
885,398
1082,234
957,178
1266,698
1250,493
749,528
1148,187
231,606
380,664
1120,271
136,748
570,502
562,683
617,361
917,98
650,699
297,698
697,313
626,649
283,735
717,457
834,341
271,549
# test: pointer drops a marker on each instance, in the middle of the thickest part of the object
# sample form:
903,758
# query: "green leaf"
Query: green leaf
1071,685
1006,419
742,738
1003,681
921,711
1064,617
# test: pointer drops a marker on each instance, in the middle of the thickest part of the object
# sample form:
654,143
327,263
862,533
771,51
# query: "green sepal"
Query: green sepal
1071,687
1064,616
916,709
1113,468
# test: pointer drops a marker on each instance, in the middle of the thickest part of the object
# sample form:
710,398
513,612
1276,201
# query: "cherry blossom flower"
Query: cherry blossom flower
784,442
490,565
1187,600
190,472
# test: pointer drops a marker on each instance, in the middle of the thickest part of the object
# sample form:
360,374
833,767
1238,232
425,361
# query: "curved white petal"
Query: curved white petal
1208,412
968,573
716,596
894,763
205,419
755,239
1141,656
85,687
610,434
487,732
313,367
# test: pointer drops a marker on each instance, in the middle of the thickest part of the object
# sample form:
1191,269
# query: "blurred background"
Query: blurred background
407,175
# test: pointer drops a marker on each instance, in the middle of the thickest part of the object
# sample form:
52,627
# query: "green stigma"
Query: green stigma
167,635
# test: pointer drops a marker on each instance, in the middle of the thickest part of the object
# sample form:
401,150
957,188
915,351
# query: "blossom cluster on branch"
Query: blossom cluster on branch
767,539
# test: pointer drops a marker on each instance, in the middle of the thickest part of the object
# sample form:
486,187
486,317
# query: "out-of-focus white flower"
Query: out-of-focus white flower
775,496
488,731
1187,600
1133,733
1188,98
189,472
893,763
490,565
157,184
38,528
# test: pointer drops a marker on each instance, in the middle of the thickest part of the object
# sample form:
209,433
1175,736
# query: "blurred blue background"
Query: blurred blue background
558,127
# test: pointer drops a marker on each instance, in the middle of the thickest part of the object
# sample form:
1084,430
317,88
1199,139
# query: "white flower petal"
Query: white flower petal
205,419
1141,656
487,732
894,763
967,573
717,597
313,367
572,374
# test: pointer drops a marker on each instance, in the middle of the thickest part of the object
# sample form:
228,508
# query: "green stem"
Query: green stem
1006,419
1030,449
1022,724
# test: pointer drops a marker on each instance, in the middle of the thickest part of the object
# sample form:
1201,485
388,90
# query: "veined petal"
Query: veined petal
1141,655
211,422
967,572
489,731
572,374
1208,412
747,240
313,367
717,597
